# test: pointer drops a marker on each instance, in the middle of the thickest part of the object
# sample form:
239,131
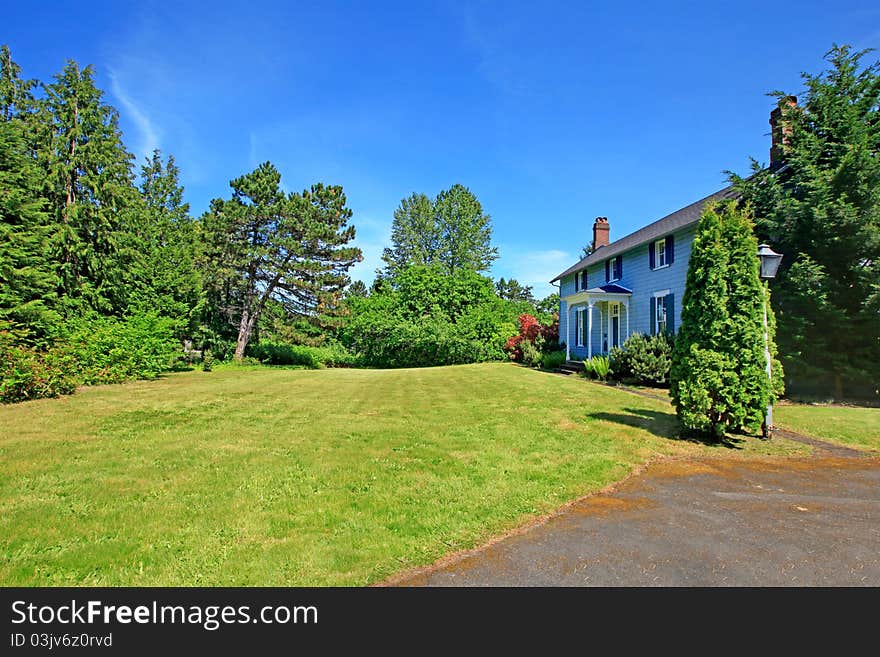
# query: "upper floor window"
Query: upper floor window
580,280
614,269
660,257
661,253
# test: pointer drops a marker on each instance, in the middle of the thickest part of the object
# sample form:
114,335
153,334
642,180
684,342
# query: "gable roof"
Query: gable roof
679,219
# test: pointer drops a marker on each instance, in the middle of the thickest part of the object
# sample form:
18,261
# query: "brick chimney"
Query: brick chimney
780,131
601,231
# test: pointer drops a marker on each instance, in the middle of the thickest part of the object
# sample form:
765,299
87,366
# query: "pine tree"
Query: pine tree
262,245
90,187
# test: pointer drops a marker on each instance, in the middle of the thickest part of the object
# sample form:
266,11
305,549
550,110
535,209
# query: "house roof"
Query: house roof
679,219
610,288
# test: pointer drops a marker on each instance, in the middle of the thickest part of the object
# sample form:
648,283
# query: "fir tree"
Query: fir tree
167,279
27,286
91,191
820,206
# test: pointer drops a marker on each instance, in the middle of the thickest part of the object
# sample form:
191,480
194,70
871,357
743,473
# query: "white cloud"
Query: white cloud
534,268
148,132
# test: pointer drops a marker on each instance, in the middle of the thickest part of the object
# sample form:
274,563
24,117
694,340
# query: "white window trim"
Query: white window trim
611,270
657,255
659,296
662,293
612,306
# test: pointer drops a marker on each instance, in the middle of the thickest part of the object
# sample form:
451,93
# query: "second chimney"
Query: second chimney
601,232
780,131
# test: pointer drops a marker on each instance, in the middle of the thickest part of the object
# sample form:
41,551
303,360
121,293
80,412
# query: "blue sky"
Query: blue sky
552,113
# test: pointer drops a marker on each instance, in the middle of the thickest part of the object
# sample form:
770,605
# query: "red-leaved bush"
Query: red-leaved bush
531,329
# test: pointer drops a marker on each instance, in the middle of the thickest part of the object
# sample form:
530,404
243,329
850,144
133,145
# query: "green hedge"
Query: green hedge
274,353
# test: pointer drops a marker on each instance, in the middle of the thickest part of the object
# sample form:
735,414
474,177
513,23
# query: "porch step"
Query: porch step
570,367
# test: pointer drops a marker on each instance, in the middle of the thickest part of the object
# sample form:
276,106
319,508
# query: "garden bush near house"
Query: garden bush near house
531,354
643,359
597,367
552,360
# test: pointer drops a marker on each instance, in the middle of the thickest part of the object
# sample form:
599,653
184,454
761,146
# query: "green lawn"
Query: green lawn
300,477
850,425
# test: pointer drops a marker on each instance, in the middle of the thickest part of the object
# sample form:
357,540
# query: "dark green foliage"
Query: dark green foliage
547,307
717,379
27,284
270,353
450,232
90,186
822,211
643,359
110,350
552,360
431,318
166,280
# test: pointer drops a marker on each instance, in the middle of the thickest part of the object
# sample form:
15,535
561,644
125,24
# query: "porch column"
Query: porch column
626,307
590,330
567,332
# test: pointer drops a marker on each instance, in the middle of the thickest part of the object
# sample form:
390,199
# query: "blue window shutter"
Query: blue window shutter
670,313
653,315
577,281
651,255
670,250
607,270
618,261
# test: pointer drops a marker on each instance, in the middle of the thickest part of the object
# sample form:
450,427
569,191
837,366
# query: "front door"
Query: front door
615,325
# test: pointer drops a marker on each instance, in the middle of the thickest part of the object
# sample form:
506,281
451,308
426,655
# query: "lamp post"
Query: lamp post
769,266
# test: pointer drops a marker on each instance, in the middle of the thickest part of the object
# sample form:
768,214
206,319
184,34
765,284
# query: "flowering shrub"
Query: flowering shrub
539,337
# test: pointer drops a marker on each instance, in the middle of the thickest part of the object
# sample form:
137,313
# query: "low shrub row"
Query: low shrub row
274,353
100,350
642,360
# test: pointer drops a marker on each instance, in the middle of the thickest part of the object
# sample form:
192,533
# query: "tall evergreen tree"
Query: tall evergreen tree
166,276
27,286
718,376
90,187
820,206
262,244
16,95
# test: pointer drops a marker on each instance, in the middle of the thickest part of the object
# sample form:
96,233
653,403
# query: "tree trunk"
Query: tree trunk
244,334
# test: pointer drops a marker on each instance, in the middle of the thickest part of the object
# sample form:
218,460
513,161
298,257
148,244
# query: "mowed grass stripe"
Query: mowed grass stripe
297,477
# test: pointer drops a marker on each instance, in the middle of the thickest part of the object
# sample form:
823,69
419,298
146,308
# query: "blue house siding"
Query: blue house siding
644,282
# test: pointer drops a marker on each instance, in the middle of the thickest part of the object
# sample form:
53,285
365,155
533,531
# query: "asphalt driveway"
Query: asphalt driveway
796,522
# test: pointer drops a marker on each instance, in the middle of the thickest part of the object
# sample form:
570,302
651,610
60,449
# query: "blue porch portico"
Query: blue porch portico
597,319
